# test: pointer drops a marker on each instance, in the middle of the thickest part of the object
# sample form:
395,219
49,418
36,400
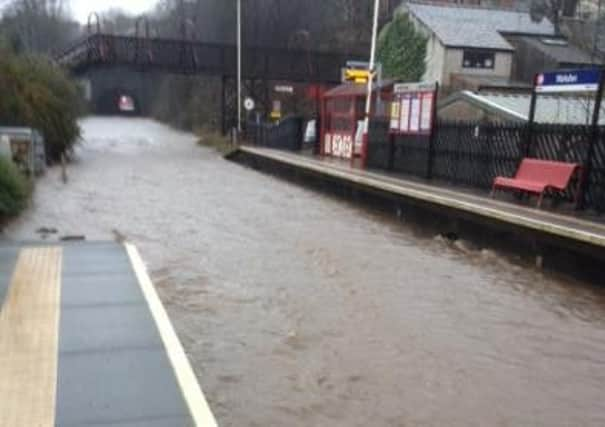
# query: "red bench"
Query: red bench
537,177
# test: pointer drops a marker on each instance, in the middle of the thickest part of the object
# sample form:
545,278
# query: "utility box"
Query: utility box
25,146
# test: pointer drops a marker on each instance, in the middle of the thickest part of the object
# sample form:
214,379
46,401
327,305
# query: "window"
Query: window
554,42
339,105
478,59
342,124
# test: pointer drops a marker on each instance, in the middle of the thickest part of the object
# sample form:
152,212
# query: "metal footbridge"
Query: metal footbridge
193,57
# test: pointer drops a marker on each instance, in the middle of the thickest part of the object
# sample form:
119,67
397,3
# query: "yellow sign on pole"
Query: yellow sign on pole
357,76
276,112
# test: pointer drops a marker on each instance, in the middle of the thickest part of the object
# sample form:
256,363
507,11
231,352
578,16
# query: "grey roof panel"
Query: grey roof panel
549,108
475,27
569,53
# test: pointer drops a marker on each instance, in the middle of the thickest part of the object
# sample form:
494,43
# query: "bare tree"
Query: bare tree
116,21
38,25
553,10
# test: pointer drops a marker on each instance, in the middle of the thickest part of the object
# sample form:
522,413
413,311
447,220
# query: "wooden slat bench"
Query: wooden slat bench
536,176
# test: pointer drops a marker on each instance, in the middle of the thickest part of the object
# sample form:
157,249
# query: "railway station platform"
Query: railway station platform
574,240
85,340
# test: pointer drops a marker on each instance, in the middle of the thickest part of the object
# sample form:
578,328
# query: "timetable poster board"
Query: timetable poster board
426,115
416,103
404,123
415,114
395,115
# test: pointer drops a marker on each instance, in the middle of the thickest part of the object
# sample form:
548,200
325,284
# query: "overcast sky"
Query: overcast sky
82,8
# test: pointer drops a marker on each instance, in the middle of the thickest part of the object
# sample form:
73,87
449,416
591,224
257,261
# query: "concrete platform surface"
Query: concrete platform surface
85,340
557,225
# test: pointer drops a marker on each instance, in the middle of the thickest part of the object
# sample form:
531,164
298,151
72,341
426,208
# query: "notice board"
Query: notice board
413,108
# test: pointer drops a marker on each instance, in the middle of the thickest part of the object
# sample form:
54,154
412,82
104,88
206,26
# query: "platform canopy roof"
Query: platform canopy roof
515,107
355,89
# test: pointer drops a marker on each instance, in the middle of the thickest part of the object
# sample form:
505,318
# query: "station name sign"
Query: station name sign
284,89
359,72
569,81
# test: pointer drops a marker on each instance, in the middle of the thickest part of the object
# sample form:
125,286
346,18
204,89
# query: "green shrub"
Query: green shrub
402,50
35,93
14,189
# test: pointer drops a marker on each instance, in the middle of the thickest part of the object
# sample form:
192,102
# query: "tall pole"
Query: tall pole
364,144
182,19
595,37
239,66
529,131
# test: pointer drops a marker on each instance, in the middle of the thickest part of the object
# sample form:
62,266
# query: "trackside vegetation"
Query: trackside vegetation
15,189
34,93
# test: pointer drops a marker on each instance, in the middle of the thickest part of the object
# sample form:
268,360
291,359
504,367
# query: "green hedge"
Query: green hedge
15,189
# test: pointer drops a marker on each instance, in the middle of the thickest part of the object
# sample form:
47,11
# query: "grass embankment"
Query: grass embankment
15,189
214,139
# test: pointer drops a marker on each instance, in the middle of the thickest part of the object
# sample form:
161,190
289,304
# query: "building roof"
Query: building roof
354,89
558,49
17,131
481,83
459,26
549,109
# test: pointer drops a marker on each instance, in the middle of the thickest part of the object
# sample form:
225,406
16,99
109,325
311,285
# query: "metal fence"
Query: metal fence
595,189
473,154
285,135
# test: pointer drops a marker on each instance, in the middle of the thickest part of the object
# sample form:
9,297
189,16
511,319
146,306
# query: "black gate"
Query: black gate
285,135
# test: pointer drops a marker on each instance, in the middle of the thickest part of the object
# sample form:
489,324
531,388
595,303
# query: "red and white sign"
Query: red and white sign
338,145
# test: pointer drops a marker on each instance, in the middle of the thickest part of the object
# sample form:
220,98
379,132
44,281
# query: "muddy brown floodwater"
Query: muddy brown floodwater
298,309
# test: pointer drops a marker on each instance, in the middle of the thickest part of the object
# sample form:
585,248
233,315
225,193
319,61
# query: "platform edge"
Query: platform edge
515,219
192,392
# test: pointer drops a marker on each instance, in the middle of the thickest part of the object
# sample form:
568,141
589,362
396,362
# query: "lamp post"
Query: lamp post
364,144
239,66
313,78
595,37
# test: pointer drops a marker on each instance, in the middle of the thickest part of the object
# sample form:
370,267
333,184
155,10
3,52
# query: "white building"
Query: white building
469,41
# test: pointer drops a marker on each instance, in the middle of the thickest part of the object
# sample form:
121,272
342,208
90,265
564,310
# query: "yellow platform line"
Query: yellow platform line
29,335
192,392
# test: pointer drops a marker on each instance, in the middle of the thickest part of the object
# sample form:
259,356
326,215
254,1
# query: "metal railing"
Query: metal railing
285,135
191,57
